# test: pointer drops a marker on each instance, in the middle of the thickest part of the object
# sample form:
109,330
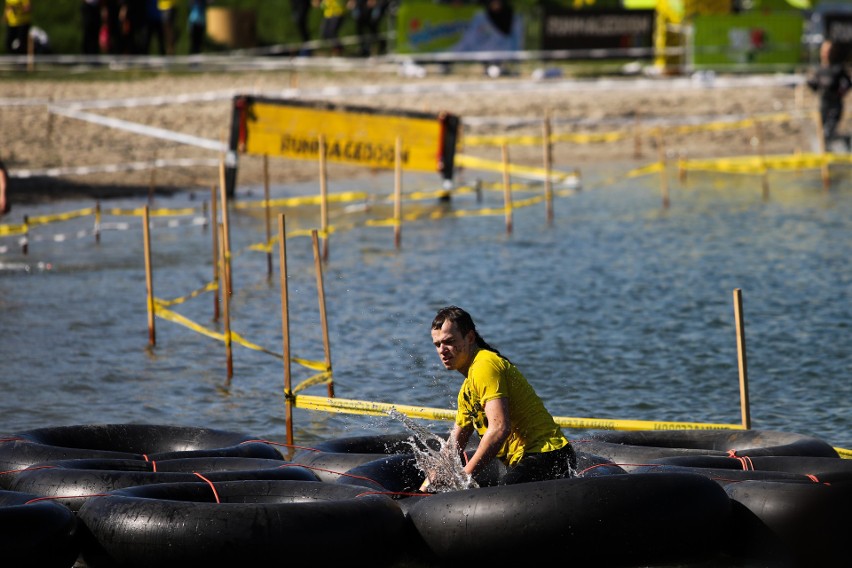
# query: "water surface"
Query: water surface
621,309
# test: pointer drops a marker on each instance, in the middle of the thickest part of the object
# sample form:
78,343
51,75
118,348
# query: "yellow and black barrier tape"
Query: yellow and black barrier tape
322,378
514,186
473,162
532,140
139,211
629,132
372,408
273,241
349,406
749,164
209,287
11,230
342,197
174,317
67,216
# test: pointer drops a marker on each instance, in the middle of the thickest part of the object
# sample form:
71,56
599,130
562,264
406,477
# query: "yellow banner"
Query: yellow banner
355,136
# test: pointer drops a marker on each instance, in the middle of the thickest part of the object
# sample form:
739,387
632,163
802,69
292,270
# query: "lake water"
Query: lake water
622,309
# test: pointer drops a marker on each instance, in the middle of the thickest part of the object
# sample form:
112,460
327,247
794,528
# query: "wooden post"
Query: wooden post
323,197
217,266
225,242
323,318
152,180
764,172
30,53
267,212
507,190
826,179
397,194
741,357
25,241
637,139
548,166
664,173
149,280
97,221
226,307
285,327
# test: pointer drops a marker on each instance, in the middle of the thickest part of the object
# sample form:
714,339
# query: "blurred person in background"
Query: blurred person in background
131,33
831,82
90,11
18,17
368,15
197,23
168,18
333,12
301,11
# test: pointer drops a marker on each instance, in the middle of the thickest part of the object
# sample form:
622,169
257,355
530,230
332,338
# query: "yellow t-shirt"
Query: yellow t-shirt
533,428
332,8
18,13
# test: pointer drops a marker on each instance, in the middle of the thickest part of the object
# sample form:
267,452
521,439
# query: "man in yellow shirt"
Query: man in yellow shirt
18,16
498,402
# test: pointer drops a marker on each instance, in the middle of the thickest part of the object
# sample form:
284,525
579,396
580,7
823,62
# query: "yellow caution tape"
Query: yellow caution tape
210,286
44,219
169,315
9,230
371,408
138,212
319,379
590,137
473,162
342,197
349,406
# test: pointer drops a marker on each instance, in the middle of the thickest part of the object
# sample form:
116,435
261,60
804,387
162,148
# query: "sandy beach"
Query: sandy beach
40,134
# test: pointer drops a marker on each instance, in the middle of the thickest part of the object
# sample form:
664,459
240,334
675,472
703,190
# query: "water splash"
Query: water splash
435,458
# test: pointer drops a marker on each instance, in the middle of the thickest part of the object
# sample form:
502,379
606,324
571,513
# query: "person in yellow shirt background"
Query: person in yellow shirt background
18,17
333,12
168,19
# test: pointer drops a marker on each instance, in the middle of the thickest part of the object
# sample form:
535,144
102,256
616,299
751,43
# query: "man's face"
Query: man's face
453,348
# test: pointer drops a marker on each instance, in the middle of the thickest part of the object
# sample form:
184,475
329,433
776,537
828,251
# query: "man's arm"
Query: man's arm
499,426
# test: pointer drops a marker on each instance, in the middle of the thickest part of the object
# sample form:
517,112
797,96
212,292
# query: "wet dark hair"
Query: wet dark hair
464,322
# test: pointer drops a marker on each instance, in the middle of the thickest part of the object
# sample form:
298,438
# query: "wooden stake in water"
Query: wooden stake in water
97,221
149,280
323,316
664,172
226,301
741,357
323,197
548,166
267,213
507,190
225,242
214,223
285,327
826,178
397,194
764,171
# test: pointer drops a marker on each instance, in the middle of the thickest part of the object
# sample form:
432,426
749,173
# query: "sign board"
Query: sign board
597,29
427,27
352,135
